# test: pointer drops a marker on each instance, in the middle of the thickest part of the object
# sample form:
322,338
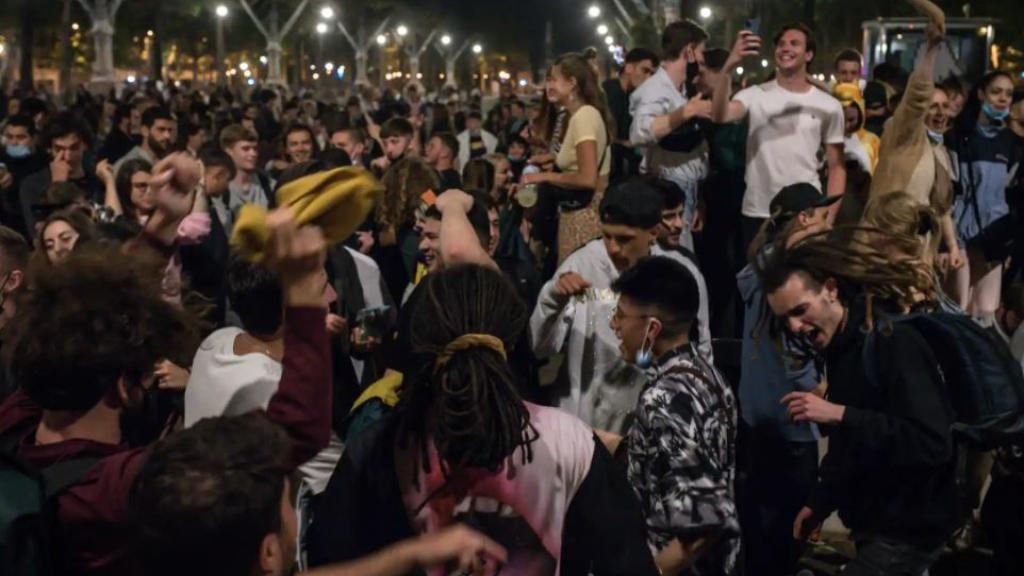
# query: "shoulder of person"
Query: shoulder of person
587,113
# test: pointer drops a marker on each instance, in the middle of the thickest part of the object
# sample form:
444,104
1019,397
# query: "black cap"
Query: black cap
796,198
875,95
635,203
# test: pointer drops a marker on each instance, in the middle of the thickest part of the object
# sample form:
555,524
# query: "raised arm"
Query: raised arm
909,115
724,110
459,241
302,403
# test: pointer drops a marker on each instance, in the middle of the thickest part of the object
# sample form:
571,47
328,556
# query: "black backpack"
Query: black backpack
984,381
28,510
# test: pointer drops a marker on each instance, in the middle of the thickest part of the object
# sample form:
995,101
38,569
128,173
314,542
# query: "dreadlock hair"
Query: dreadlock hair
403,183
469,406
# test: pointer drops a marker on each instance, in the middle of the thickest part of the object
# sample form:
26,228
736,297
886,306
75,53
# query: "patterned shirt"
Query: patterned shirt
681,458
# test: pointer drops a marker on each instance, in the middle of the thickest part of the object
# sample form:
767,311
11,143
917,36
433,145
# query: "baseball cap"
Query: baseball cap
635,203
796,198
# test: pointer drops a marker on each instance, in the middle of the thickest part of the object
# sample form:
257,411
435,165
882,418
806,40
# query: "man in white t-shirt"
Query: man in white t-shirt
790,120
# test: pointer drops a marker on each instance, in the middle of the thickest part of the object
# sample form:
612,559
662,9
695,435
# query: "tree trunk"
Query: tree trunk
27,37
66,57
103,40
449,72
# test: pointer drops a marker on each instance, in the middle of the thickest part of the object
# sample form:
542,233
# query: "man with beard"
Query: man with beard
159,132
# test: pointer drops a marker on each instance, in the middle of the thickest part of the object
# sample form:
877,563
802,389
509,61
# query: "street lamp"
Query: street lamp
446,40
764,63
602,30
609,40
382,39
327,13
704,12
321,28
402,30
594,11
221,11
477,48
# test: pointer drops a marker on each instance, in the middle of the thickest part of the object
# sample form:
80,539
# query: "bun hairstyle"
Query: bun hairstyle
461,396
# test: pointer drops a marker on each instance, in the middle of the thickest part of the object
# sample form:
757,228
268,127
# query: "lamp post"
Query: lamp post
705,13
221,12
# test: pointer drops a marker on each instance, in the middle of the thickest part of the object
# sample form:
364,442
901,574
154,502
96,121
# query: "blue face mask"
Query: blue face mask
17,150
993,114
935,137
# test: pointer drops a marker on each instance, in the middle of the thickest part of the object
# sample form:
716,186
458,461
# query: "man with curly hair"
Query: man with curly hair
83,348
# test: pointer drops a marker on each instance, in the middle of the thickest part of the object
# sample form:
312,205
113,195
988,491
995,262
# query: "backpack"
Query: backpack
984,381
28,510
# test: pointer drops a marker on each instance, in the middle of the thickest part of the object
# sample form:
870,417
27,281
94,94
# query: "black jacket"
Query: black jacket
890,467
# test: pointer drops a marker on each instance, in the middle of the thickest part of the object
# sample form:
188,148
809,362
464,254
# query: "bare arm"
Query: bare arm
679,557
836,175
106,175
723,109
586,177
459,241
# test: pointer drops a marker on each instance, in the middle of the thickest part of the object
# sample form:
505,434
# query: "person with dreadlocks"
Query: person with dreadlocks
462,445
890,467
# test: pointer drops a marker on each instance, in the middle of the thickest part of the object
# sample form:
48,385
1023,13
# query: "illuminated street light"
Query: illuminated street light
402,30
263,59
382,39
149,33
609,40
704,13
764,63
446,39
221,11
316,75
329,66
594,11
477,48
74,26
243,66
321,28
327,13
739,70
602,30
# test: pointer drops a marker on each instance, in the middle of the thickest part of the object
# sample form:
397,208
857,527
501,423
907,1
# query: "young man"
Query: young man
14,253
660,106
396,136
83,347
299,144
67,140
249,185
680,448
442,150
639,65
159,132
847,68
790,120
474,141
781,456
594,383
189,521
353,142
890,468
20,159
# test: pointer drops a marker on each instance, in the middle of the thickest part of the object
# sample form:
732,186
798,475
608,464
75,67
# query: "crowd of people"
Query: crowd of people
602,329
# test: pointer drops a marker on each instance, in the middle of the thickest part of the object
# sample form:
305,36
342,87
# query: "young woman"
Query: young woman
463,446
133,198
583,161
988,158
62,232
404,184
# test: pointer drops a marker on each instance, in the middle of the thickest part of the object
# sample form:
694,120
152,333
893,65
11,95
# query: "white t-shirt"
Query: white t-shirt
786,132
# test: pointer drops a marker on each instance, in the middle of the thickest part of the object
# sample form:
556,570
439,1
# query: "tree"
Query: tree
361,44
274,35
102,14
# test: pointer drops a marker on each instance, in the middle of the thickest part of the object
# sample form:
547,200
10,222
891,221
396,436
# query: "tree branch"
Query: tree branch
255,20
291,21
344,32
426,43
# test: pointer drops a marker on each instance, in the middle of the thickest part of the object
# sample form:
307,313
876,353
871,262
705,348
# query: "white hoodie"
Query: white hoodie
594,382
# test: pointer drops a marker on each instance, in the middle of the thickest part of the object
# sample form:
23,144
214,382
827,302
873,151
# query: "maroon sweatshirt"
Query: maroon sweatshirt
93,514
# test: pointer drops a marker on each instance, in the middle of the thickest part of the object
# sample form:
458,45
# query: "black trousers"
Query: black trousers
775,480
1002,516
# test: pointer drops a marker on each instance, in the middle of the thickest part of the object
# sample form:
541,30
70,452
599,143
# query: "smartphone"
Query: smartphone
754,25
373,322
